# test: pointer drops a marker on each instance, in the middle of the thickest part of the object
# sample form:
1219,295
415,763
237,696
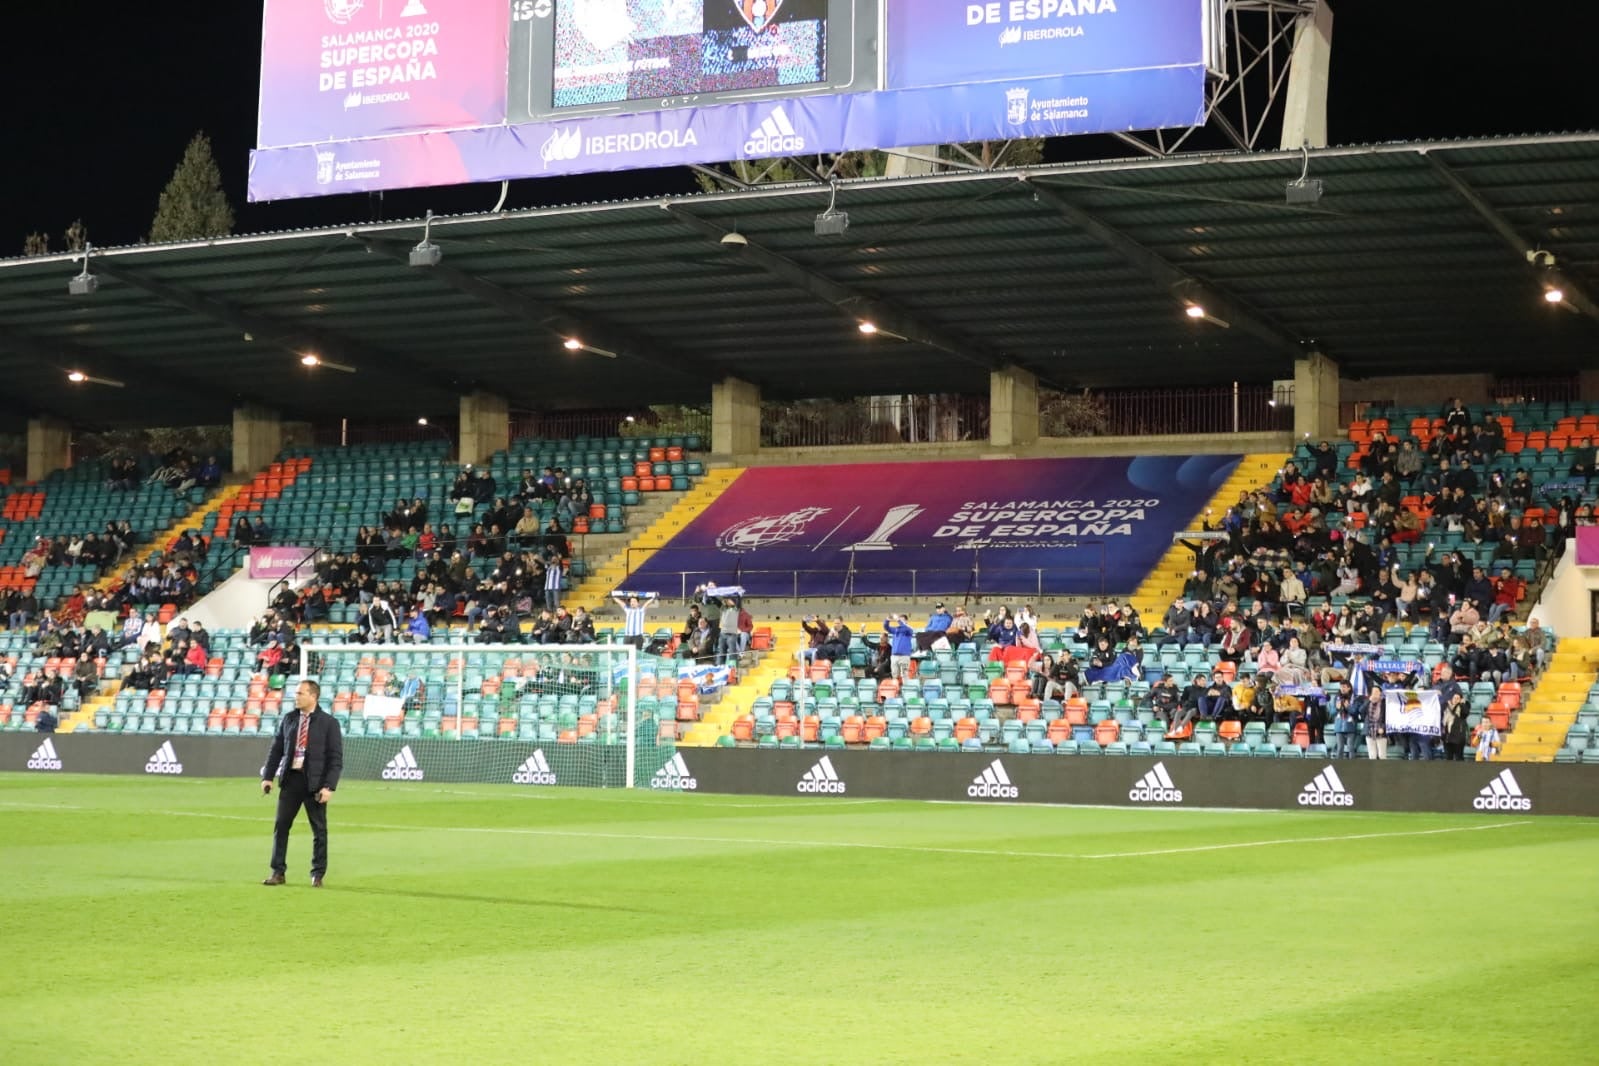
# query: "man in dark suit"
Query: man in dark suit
310,751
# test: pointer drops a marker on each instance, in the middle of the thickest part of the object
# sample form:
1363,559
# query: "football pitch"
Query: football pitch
499,924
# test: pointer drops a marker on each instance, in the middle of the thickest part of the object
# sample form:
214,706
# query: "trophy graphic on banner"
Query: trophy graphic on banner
892,522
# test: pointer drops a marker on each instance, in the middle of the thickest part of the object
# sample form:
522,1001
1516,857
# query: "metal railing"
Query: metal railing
287,579
1235,408
874,420
968,580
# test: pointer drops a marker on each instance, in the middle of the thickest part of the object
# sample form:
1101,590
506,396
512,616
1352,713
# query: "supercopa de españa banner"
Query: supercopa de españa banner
337,70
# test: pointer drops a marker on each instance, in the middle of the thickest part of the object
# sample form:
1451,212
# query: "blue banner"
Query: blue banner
1018,527
953,42
1016,107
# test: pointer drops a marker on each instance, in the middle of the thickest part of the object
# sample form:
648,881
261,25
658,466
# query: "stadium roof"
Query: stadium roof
1414,262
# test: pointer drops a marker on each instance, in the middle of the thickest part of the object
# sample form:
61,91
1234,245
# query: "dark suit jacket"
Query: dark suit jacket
324,750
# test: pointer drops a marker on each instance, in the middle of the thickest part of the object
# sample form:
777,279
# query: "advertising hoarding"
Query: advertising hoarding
554,87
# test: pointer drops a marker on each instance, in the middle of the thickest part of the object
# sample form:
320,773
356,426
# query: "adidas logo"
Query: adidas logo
993,783
821,778
403,767
776,136
535,771
1326,790
164,761
45,757
674,775
1155,787
1500,794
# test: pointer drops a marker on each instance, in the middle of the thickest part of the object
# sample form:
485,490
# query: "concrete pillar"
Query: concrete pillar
1315,397
1012,407
257,438
49,447
1588,386
485,426
735,417
1305,109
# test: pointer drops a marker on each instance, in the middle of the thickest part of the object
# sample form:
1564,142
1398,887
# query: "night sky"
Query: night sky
102,97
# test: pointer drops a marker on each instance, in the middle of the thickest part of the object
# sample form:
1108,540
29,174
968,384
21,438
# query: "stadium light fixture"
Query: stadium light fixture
1554,295
1197,313
734,239
311,361
426,253
868,328
85,283
832,222
422,421
573,344
78,377
1305,191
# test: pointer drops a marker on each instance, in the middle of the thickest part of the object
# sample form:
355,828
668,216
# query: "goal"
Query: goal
516,714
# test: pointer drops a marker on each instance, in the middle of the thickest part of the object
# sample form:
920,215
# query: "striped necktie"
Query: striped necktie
302,741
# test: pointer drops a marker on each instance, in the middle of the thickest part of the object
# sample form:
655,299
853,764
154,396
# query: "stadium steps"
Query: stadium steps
1541,725
83,717
737,700
1165,581
595,590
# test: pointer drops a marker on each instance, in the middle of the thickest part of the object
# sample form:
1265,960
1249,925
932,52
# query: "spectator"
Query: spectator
1486,739
45,722
1508,590
1349,714
902,643
936,629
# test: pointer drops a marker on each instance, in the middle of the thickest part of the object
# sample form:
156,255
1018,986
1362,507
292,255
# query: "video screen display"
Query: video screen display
608,51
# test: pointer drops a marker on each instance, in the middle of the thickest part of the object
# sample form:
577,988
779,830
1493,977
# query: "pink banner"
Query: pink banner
273,563
337,70
1588,545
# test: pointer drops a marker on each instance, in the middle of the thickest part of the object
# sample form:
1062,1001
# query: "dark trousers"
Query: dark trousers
1454,752
293,794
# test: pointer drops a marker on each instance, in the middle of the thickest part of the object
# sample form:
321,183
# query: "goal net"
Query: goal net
531,715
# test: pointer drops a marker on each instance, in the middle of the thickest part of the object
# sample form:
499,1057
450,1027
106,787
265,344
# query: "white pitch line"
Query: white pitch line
860,845
798,805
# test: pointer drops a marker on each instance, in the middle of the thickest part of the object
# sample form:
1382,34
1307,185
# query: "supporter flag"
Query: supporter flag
1413,711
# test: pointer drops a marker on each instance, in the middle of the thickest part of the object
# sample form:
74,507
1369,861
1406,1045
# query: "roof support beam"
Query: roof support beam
1575,295
1180,285
862,308
287,336
559,322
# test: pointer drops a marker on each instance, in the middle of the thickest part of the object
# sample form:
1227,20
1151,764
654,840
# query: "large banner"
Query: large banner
363,105
1016,526
952,42
338,70
1413,711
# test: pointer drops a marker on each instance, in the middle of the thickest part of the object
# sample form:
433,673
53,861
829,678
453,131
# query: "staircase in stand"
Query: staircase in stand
1539,728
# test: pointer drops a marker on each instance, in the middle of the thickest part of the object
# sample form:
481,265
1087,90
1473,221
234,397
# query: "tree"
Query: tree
193,204
76,236
36,244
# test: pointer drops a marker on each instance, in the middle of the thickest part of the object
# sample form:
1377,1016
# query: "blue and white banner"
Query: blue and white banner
1020,106
706,678
954,42
1413,711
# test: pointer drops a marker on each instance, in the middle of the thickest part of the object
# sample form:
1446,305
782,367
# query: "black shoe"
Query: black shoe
275,879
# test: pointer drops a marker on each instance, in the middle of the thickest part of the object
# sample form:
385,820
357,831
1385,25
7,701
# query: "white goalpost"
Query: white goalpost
523,714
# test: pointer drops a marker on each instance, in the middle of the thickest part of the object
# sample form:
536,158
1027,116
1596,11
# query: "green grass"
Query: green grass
491,924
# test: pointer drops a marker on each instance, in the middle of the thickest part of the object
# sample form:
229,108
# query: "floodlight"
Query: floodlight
312,360
85,283
734,239
832,222
1306,191
868,328
78,377
426,253
1554,295
572,344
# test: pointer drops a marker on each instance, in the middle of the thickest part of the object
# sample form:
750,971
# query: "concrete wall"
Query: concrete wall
1565,606
1432,390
